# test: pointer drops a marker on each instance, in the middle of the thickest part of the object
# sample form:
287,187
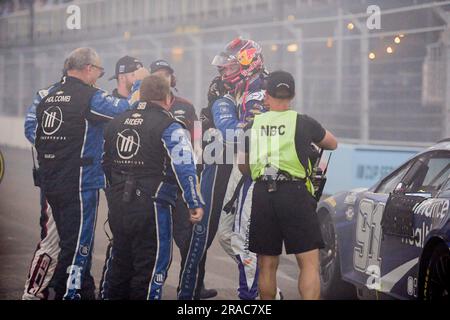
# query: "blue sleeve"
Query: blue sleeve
106,107
225,116
133,99
178,146
31,120
136,86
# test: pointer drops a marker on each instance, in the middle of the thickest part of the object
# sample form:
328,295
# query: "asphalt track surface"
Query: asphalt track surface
19,235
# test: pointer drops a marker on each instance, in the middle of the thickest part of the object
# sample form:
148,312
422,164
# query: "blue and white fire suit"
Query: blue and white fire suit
228,115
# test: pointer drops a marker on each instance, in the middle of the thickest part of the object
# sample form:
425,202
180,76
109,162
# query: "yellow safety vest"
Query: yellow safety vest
272,144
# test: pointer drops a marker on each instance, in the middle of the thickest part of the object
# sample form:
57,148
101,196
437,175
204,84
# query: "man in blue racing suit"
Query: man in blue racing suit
69,128
241,68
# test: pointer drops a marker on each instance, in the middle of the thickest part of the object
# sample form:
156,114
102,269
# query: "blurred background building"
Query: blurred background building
387,85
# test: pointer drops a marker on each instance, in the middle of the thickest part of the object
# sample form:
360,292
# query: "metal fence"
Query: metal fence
387,85
48,23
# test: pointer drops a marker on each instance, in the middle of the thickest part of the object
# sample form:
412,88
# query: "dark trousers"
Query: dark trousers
75,215
182,233
195,240
142,250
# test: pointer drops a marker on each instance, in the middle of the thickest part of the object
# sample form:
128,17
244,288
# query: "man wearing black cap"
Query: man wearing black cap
125,76
283,206
183,111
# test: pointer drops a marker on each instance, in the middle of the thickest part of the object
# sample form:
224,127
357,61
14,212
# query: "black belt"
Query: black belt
118,176
145,183
280,178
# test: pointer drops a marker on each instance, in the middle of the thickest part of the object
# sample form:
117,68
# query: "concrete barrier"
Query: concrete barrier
12,132
354,166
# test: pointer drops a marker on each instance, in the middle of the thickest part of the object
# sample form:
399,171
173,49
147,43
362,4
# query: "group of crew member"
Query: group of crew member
136,144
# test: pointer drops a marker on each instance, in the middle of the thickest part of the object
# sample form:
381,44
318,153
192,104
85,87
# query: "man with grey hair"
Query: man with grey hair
69,142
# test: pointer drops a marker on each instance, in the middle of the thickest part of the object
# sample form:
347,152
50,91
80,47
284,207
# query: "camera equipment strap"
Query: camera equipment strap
229,205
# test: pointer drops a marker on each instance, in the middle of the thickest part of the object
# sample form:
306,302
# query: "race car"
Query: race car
391,241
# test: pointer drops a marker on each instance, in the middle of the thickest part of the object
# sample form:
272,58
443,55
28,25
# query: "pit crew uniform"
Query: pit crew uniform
103,286
69,144
213,181
45,257
190,248
140,150
183,111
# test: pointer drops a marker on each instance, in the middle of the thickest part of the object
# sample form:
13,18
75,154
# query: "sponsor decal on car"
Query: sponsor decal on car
435,212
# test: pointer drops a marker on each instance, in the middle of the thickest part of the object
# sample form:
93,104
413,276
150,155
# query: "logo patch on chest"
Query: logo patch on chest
52,120
128,143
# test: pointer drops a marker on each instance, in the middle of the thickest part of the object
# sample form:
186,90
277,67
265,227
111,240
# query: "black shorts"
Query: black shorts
287,215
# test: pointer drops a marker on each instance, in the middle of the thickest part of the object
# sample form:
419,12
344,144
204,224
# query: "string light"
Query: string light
293,47
329,42
177,53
